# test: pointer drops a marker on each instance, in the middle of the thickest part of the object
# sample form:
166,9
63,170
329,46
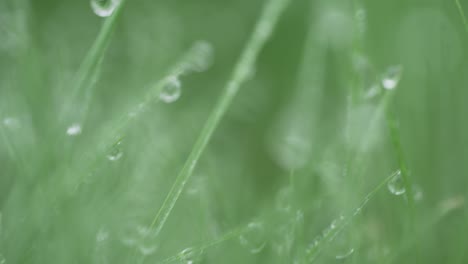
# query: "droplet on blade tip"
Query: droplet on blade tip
391,78
104,8
74,130
396,184
190,256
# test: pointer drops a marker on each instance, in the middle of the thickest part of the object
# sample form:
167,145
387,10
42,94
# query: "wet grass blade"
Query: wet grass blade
116,132
242,70
396,140
88,72
322,241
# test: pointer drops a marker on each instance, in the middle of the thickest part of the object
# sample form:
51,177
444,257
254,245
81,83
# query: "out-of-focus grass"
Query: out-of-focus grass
311,134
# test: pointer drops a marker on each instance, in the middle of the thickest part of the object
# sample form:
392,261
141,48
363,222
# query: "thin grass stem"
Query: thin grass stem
242,70
88,71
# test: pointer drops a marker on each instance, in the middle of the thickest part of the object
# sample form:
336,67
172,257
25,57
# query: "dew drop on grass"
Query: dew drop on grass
171,90
254,237
74,129
104,8
391,77
116,152
396,185
190,256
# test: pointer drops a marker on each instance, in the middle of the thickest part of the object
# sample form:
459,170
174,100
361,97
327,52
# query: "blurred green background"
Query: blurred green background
305,140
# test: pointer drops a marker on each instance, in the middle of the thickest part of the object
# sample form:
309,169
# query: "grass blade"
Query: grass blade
396,139
89,69
261,34
116,132
320,243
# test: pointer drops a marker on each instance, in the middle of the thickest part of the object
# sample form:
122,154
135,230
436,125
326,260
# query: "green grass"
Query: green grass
233,132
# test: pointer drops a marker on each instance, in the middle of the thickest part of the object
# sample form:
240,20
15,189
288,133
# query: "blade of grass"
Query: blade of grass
263,30
87,73
396,139
336,228
462,14
356,159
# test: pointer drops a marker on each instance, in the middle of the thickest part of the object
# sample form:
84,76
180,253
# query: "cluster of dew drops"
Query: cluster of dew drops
169,89
254,236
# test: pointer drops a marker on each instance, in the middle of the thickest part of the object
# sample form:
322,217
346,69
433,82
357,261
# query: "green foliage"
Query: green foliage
275,131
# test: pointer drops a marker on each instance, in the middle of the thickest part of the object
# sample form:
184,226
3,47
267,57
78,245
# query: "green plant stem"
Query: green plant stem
242,70
396,139
88,72
115,133
313,253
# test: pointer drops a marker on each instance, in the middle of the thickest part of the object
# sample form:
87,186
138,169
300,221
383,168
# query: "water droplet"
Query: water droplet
330,230
104,8
392,77
2,259
396,185
254,237
345,254
116,152
74,129
171,90
190,256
